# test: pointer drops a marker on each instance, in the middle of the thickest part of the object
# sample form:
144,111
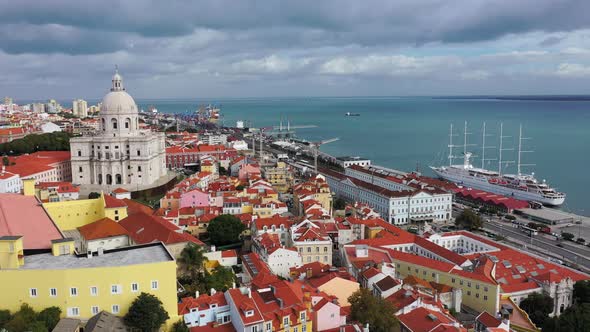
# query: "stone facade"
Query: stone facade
120,153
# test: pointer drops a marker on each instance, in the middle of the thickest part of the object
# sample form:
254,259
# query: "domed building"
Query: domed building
120,154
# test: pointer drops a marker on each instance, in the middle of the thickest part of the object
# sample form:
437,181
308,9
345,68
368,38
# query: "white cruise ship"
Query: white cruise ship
519,186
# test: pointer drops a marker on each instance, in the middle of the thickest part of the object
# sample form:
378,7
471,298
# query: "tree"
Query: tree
4,317
49,317
379,313
22,319
146,313
93,195
192,259
221,279
582,292
538,307
180,326
469,219
568,236
225,229
339,204
575,318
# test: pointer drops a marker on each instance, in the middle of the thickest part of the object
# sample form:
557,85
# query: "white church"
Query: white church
119,154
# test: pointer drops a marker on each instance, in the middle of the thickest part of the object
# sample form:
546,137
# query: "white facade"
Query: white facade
349,161
80,108
10,183
121,154
106,243
281,260
398,207
214,139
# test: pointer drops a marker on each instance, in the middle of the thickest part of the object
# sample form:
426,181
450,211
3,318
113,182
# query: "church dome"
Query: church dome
118,100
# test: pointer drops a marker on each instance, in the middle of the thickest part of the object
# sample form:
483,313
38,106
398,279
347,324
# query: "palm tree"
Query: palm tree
192,258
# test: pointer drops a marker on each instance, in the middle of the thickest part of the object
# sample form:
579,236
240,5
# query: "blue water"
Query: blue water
406,133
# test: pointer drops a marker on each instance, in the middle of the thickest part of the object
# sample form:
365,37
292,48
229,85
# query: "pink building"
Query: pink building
248,171
194,198
326,315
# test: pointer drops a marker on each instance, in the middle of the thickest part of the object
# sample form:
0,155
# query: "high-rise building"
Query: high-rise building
121,154
80,108
38,108
53,106
7,101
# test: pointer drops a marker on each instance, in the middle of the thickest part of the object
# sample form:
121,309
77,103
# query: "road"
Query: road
572,253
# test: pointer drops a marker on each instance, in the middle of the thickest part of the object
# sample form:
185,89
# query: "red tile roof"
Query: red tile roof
112,202
424,320
203,302
144,228
488,320
101,229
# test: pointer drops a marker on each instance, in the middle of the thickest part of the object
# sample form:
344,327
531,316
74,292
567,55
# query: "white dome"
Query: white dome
118,102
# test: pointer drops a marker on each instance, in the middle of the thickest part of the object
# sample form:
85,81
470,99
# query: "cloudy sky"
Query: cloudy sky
248,48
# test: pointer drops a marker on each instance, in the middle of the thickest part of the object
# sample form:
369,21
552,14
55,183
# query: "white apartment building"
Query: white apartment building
396,206
80,108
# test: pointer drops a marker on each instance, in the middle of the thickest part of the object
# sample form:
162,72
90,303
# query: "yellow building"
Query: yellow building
82,286
70,215
316,189
279,176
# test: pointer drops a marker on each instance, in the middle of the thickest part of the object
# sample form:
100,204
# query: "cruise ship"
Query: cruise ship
520,186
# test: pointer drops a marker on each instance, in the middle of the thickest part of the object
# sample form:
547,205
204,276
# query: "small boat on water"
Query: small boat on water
351,114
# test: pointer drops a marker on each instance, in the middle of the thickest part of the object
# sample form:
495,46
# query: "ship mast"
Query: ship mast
500,161
484,147
451,146
520,151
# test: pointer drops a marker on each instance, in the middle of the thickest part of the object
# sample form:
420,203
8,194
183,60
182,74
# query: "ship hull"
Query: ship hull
483,184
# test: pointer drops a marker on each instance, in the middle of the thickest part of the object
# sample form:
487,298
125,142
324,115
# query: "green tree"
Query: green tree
5,317
21,319
49,317
221,279
568,236
538,307
582,291
379,313
180,326
146,313
575,318
339,204
93,195
192,259
225,229
469,220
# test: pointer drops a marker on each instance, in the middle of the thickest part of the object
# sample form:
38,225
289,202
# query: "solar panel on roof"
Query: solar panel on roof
494,259
502,281
541,266
534,273
516,276
521,269
507,264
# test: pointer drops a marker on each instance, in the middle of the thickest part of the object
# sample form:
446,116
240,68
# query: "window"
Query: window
74,311
134,287
138,152
94,309
268,326
485,297
79,153
94,291
33,292
302,316
80,169
285,321
139,168
115,309
154,284
295,329
73,291
115,289
53,292
254,328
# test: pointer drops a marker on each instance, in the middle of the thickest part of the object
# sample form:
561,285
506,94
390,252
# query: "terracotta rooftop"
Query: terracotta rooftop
102,228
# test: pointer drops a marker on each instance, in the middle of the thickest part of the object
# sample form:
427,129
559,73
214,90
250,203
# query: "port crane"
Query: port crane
315,148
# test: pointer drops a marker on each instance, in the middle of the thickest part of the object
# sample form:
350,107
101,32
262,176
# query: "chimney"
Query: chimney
366,329
213,291
249,293
197,294
233,285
